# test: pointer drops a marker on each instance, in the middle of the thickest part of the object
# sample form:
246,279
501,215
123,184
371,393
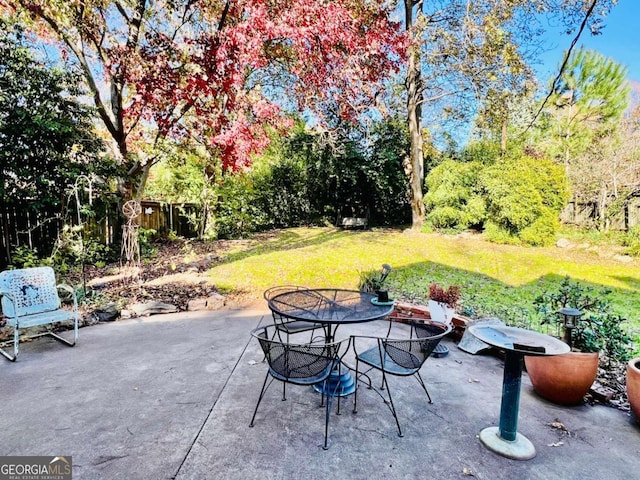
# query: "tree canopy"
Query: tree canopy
589,99
463,53
217,71
46,136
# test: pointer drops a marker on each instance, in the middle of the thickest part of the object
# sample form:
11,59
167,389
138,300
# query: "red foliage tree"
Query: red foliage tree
218,71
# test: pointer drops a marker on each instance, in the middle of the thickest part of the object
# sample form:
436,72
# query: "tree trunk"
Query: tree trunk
5,234
503,134
414,120
602,209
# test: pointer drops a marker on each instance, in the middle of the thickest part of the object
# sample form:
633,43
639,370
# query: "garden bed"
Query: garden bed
407,312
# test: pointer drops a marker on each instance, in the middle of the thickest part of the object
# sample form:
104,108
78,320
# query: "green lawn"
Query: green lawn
496,279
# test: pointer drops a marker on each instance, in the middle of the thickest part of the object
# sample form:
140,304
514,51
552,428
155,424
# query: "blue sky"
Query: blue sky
620,40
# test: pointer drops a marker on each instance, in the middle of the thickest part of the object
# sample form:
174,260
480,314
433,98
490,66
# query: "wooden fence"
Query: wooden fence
39,229
585,214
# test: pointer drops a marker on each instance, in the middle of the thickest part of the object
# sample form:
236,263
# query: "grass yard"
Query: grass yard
500,280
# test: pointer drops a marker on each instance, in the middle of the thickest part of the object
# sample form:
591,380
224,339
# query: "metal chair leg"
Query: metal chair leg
424,387
16,341
391,406
327,416
262,392
69,343
355,393
330,396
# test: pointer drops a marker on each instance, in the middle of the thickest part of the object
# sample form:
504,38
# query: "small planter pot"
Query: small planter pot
633,386
441,312
563,379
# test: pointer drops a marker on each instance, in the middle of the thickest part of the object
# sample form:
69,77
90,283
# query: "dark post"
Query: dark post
510,395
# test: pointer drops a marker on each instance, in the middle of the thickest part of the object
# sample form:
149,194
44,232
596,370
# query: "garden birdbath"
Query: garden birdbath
516,342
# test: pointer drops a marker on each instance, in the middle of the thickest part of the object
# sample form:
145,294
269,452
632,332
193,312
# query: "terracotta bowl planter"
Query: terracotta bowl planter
563,379
633,386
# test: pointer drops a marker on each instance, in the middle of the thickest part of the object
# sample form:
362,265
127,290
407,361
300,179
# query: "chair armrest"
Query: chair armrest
65,287
374,337
353,339
11,298
4,293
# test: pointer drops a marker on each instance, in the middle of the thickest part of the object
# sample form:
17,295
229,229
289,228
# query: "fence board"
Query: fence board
39,229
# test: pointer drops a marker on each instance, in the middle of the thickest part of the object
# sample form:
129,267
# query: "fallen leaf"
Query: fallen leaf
467,471
560,426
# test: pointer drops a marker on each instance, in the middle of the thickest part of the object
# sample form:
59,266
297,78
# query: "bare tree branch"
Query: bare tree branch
563,66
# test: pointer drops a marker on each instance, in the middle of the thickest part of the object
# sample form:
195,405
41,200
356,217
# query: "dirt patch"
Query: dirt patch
175,274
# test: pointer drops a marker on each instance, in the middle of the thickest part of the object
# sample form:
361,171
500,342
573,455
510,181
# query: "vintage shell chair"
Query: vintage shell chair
29,299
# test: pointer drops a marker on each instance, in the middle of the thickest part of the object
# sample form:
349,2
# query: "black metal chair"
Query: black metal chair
287,325
396,356
306,364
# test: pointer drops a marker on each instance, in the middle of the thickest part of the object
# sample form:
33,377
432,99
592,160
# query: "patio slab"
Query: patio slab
171,396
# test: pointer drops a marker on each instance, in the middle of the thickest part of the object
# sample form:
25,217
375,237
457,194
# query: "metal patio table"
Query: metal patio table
331,307
516,342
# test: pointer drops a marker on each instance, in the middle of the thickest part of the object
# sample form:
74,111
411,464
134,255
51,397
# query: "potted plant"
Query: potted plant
633,386
594,333
443,302
373,281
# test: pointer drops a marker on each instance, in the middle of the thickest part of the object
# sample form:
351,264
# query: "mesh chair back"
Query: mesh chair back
285,323
412,353
273,291
310,361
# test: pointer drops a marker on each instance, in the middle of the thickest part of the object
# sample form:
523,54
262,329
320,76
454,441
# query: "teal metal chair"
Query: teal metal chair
286,325
398,357
29,298
308,364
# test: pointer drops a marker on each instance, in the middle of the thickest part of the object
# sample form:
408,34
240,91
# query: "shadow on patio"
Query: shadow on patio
172,396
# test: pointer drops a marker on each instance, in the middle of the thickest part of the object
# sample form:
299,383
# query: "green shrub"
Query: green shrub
70,251
632,240
237,216
445,217
25,257
147,247
388,192
541,232
524,198
598,329
453,198
498,234
281,194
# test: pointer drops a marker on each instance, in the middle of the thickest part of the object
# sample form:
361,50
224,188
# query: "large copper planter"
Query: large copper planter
633,386
563,379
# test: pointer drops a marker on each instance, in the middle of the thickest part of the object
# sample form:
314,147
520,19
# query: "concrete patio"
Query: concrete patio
171,396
